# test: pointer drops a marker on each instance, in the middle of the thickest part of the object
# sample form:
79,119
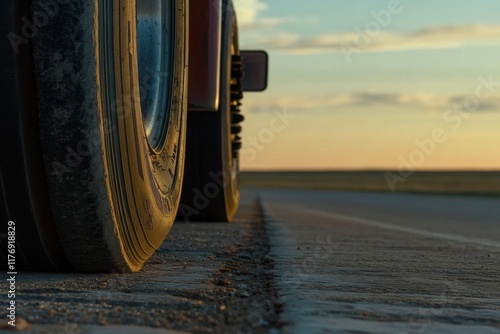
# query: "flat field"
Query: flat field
442,182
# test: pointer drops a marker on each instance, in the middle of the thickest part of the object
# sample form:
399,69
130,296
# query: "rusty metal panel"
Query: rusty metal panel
204,54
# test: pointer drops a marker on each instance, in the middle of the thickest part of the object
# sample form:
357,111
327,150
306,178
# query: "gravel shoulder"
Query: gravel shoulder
206,278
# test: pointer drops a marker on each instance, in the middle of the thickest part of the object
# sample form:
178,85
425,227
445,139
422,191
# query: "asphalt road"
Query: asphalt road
385,263
296,262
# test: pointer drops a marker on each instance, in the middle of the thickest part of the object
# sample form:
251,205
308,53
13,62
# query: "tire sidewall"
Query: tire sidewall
152,200
230,164
111,211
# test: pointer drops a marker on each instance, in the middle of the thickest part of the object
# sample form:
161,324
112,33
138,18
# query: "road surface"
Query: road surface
296,262
206,277
385,263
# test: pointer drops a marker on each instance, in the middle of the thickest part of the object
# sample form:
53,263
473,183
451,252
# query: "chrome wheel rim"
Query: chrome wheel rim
155,43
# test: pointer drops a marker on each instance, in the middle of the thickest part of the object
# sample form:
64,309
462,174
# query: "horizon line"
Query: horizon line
361,170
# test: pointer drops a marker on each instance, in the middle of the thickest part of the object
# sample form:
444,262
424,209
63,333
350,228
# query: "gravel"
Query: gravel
206,278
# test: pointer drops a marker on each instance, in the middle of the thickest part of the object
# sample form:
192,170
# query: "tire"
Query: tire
111,130
211,183
23,192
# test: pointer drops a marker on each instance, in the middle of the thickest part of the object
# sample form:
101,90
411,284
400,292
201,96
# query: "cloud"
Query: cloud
359,41
270,22
248,10
248,14
416,101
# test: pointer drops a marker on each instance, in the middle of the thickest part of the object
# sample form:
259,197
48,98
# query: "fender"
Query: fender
205,31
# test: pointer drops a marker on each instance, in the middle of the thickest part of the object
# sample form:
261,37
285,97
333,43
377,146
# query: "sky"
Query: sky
373,84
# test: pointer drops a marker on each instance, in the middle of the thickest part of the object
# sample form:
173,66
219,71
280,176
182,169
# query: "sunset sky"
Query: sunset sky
371,84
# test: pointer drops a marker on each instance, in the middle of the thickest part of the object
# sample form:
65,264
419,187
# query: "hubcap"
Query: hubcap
155,40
